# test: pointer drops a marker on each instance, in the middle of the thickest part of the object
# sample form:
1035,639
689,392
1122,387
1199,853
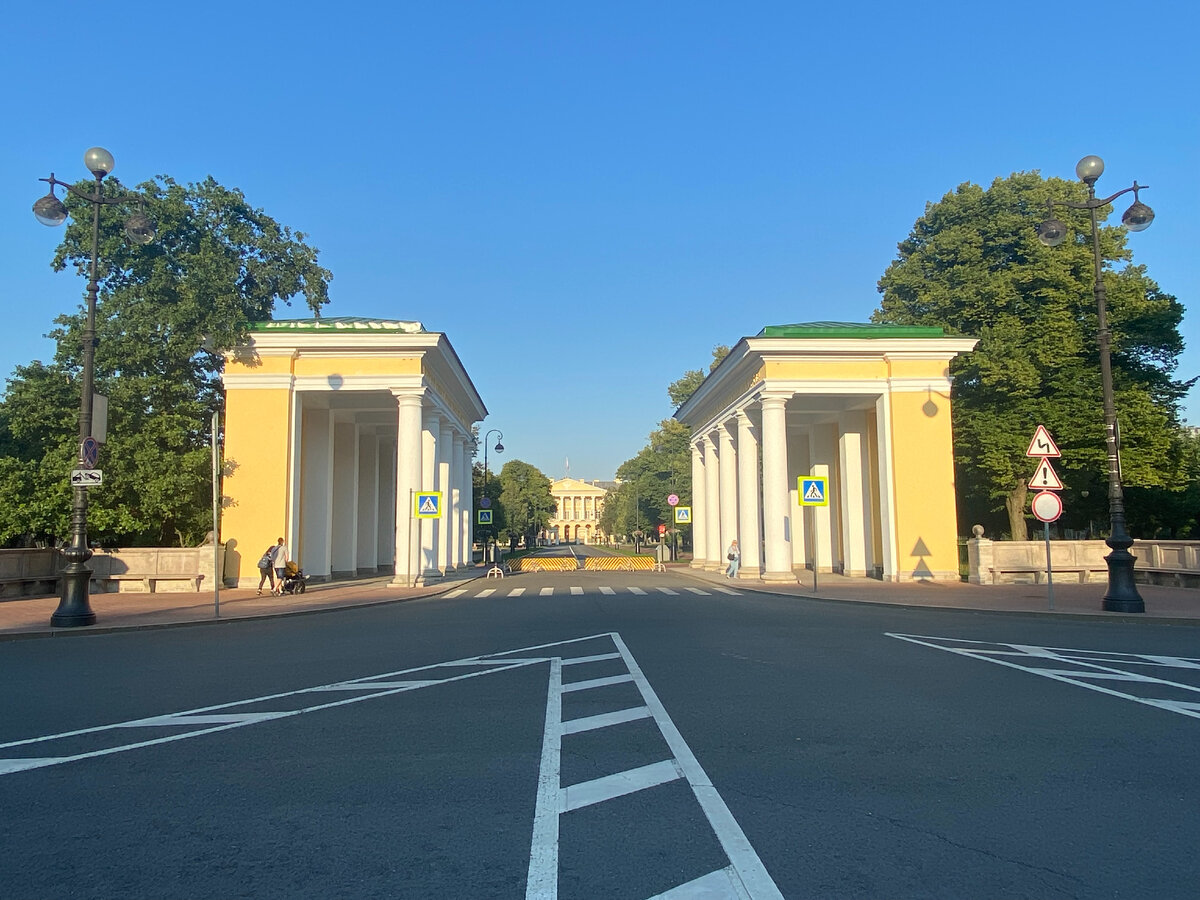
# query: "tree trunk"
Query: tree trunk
1014,503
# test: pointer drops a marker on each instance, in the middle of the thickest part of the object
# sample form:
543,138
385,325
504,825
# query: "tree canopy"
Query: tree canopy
682,388
973,265
661,468
164,315
527,502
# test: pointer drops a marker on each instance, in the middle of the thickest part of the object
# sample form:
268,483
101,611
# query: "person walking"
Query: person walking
279,558
266,569
735,557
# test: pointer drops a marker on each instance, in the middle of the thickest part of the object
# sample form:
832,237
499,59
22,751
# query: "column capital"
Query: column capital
408,394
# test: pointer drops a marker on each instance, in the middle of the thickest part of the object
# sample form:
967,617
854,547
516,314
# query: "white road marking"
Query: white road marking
599,790
457,592
756,882
599,657
576,591
638,591
725,590
516,592
546,591
607,590
718,885
486,593
1084,677
595,683
663,590
604,720
542,881
698,591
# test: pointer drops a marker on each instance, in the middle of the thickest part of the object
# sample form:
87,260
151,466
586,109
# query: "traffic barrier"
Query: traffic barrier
543,564
618,563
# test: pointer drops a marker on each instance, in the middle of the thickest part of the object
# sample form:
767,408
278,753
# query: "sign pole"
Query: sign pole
216,516
1049,568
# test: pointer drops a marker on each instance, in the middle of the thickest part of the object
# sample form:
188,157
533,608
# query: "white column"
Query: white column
747,491
778,562
345,500
367,531
430,433
699,550
854,482
728,481
311,545
408,482
468,520
385,528
714,553
822,453
445,455
454,524
887,497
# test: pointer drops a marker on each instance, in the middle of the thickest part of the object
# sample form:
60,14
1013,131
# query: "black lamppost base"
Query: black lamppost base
1122,594
74,609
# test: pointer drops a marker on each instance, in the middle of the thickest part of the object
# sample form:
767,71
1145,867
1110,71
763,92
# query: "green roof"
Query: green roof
340,323
850,330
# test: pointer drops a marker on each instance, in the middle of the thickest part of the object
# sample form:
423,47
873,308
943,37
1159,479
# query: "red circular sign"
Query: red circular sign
1047,506
662,529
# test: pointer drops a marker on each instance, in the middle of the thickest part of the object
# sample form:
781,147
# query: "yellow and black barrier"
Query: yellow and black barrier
543,564
618,563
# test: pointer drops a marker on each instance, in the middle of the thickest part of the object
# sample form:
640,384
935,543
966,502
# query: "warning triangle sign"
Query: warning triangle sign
1045,478
1042,444
813,493
429,506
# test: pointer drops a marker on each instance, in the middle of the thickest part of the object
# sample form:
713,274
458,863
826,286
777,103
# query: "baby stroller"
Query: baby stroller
293,579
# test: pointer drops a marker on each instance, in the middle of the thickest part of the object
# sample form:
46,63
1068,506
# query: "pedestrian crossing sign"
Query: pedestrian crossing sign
683,515
427,505
485,517
814,491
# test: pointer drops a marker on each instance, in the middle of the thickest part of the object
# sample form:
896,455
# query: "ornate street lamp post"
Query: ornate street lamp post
499,449
1122,594
74,607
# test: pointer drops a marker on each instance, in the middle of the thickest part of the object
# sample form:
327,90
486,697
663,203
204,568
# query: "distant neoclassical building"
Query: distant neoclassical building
578,505
865,406
333,427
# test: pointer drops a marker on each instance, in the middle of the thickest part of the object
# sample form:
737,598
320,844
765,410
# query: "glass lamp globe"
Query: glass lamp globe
1089,169
99,161
1138,217
139,228
50,210
1052,232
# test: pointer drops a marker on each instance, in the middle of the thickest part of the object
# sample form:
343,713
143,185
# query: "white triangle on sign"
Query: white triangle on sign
428,506
1045,478
1042,444
814,491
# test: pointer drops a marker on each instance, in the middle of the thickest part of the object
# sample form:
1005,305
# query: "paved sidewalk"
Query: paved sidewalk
30,618
1070,599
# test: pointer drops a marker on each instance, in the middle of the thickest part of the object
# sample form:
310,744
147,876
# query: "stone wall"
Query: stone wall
35,572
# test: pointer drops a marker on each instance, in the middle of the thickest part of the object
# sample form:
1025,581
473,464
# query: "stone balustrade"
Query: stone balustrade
35,572
1172,563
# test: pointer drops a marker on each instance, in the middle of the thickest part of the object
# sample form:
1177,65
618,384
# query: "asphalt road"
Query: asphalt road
793,747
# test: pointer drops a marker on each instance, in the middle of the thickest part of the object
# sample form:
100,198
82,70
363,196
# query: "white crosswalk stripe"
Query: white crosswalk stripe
516,592
546,592
576,591
663,590
638,591
700,592
607,590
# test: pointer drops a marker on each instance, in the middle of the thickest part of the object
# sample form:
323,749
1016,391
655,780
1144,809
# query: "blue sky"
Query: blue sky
588,198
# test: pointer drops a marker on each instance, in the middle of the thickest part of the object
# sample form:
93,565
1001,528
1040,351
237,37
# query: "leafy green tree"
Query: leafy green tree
165,314
682,388
527,501
973,265
661,468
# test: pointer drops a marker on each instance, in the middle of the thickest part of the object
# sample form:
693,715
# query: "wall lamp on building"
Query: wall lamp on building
74,607
1122,594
